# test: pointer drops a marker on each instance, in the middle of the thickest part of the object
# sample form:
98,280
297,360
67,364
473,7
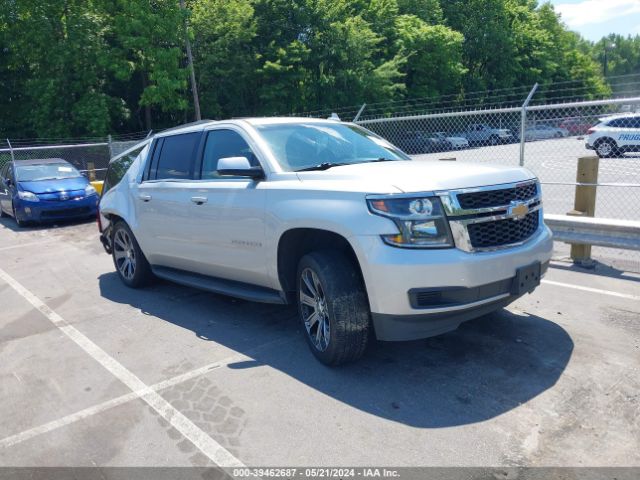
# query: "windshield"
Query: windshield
48,171
302,146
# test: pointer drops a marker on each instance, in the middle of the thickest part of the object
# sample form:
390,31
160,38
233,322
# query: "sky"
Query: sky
594,19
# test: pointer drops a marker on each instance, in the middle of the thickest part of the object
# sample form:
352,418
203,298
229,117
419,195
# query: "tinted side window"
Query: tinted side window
222,144
177,156
119,167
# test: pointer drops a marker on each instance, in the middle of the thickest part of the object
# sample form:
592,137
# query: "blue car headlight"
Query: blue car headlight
89,190
28,196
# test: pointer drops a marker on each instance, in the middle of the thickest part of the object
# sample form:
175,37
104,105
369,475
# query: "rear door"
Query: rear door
163,201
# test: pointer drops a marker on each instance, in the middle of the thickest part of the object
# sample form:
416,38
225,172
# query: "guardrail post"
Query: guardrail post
585,204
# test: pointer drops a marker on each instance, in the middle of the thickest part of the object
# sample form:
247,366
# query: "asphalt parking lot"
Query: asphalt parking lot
95,374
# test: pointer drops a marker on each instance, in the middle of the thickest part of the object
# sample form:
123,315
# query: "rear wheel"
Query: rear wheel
131,264
333,307
494,140
606,148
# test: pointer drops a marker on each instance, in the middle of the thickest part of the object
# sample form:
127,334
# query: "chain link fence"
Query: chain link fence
90,156
547,139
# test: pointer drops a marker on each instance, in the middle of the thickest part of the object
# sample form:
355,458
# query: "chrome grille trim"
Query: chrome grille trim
459,225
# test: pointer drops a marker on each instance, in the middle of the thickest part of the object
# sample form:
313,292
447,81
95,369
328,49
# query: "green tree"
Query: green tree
434,52
146,52
223,32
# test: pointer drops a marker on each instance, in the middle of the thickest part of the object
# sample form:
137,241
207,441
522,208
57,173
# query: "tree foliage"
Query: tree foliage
90,67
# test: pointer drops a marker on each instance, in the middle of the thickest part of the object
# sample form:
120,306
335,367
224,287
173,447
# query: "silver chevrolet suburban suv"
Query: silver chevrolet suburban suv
331,217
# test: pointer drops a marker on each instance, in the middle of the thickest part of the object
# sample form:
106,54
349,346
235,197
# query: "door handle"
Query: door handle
144,197
199,200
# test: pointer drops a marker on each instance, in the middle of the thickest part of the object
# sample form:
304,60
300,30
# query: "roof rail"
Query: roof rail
191,124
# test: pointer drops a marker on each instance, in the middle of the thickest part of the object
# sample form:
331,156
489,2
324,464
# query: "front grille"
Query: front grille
497,198
67,212
502,232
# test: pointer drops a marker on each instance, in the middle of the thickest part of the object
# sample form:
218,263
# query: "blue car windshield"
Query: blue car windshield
47,171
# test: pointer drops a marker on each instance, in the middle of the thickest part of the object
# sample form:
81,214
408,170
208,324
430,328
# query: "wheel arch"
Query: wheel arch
297,242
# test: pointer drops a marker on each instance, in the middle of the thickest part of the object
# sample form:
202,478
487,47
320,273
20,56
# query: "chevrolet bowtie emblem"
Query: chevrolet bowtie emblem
518,210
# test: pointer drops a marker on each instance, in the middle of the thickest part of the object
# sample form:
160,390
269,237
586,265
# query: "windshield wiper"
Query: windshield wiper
382,159
322,166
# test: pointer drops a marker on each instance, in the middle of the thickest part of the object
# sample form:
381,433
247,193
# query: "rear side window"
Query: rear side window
119,167
177,155
627,122
223,144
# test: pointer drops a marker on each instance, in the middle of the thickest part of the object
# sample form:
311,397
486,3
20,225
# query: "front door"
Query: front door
228,213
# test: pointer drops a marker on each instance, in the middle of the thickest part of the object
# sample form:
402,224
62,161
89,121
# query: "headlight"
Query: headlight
28,196
421,221
89,190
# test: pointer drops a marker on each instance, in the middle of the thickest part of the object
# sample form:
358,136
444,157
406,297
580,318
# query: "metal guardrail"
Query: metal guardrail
601,232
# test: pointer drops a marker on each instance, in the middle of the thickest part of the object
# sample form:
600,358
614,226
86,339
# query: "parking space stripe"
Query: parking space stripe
207,445
592,290
109,404
30,244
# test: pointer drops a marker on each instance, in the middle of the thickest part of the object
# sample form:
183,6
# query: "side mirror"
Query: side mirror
8,182
239,167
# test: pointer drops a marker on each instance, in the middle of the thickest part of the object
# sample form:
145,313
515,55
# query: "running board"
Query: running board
231,288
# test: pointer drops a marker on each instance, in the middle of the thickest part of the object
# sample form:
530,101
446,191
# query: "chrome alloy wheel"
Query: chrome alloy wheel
315,312
124,254
605,149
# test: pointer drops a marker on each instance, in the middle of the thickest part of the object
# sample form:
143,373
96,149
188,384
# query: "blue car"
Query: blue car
34,191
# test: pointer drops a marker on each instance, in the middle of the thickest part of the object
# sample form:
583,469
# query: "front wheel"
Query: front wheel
333,307
131,264
20,223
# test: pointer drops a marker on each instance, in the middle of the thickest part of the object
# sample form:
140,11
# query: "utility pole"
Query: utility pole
192,73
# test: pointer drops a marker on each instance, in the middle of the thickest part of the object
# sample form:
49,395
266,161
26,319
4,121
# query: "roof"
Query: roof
41,161
255,121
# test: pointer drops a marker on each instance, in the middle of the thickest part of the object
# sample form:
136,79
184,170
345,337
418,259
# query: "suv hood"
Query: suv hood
413,176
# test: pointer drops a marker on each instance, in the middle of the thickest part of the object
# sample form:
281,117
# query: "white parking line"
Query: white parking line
109,404
30,244
592,290
207,445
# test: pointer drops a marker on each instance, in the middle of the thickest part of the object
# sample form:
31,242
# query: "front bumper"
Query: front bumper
392,274
44,211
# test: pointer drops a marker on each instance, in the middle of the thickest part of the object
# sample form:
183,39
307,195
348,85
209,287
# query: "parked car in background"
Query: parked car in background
330,217
454,143
33,191
615,135
416,141
482,134
541,131
576,126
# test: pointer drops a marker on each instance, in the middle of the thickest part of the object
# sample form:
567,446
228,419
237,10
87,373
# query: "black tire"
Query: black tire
3,214
606,148
558,135
138,272
494,140
20,223
345,303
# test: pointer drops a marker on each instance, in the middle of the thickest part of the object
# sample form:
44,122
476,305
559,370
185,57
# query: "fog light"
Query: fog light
27,210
